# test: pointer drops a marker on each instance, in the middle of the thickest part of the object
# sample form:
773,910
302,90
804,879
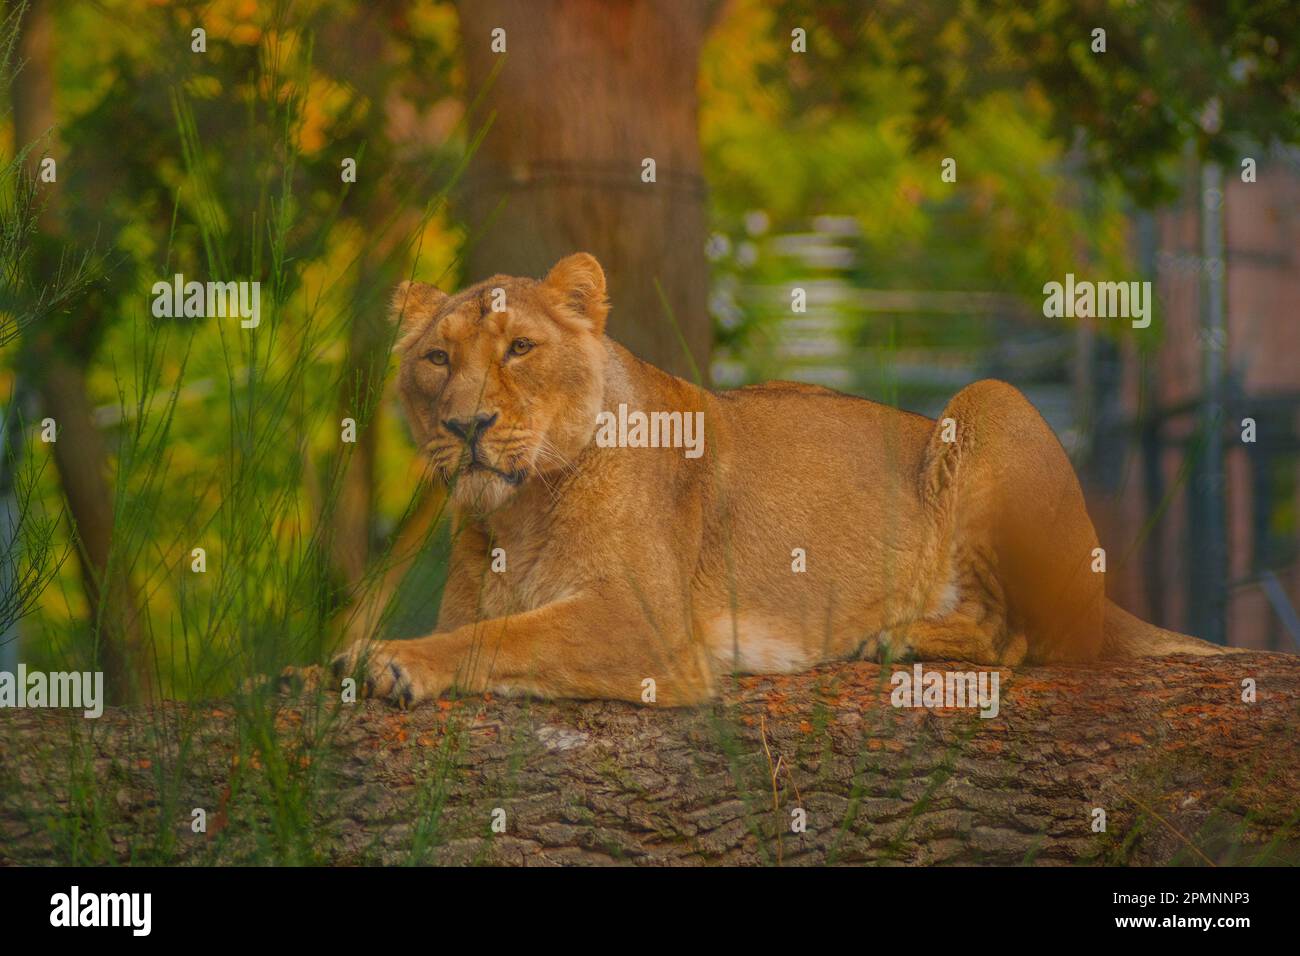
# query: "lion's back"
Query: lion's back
810,463
783,420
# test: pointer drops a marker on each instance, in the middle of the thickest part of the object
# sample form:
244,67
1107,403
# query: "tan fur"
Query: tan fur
628,564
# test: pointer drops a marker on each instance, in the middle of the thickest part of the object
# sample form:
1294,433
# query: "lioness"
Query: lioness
810,526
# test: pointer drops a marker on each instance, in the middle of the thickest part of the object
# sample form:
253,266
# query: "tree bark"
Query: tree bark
586,91
1185,771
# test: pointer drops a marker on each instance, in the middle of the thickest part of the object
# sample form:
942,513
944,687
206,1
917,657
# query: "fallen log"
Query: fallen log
1185,764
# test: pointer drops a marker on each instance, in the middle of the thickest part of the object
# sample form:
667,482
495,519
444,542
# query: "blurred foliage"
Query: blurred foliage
1222,73
1055,144
227,164
849,129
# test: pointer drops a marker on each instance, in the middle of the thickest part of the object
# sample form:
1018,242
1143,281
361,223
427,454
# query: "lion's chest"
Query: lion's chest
519,578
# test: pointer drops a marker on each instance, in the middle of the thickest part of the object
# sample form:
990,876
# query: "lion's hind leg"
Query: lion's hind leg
1007,495
970,625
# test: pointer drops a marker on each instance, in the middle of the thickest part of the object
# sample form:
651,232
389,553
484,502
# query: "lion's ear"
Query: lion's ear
580,282
413,301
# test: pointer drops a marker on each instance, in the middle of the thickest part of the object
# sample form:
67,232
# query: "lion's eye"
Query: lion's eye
436,356
520,346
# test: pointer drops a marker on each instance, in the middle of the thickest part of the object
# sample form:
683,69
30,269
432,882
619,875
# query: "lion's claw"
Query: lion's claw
386,677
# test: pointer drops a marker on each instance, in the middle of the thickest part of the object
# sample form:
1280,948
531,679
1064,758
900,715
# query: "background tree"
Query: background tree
57,353
584,92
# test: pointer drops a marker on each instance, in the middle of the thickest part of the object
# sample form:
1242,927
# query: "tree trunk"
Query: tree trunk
1185,771
361,48
80,457
59,357
587,91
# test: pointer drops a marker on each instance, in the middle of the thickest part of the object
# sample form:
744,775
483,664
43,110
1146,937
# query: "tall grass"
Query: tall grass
261,509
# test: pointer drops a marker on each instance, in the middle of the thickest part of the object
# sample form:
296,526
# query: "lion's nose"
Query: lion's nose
469,429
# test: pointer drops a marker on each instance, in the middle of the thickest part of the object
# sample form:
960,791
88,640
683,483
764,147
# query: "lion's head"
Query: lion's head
502,382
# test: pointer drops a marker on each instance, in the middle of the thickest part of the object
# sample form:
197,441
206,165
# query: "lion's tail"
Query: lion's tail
1127,636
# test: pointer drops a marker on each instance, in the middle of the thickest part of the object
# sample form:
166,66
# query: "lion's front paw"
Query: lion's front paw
386,670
